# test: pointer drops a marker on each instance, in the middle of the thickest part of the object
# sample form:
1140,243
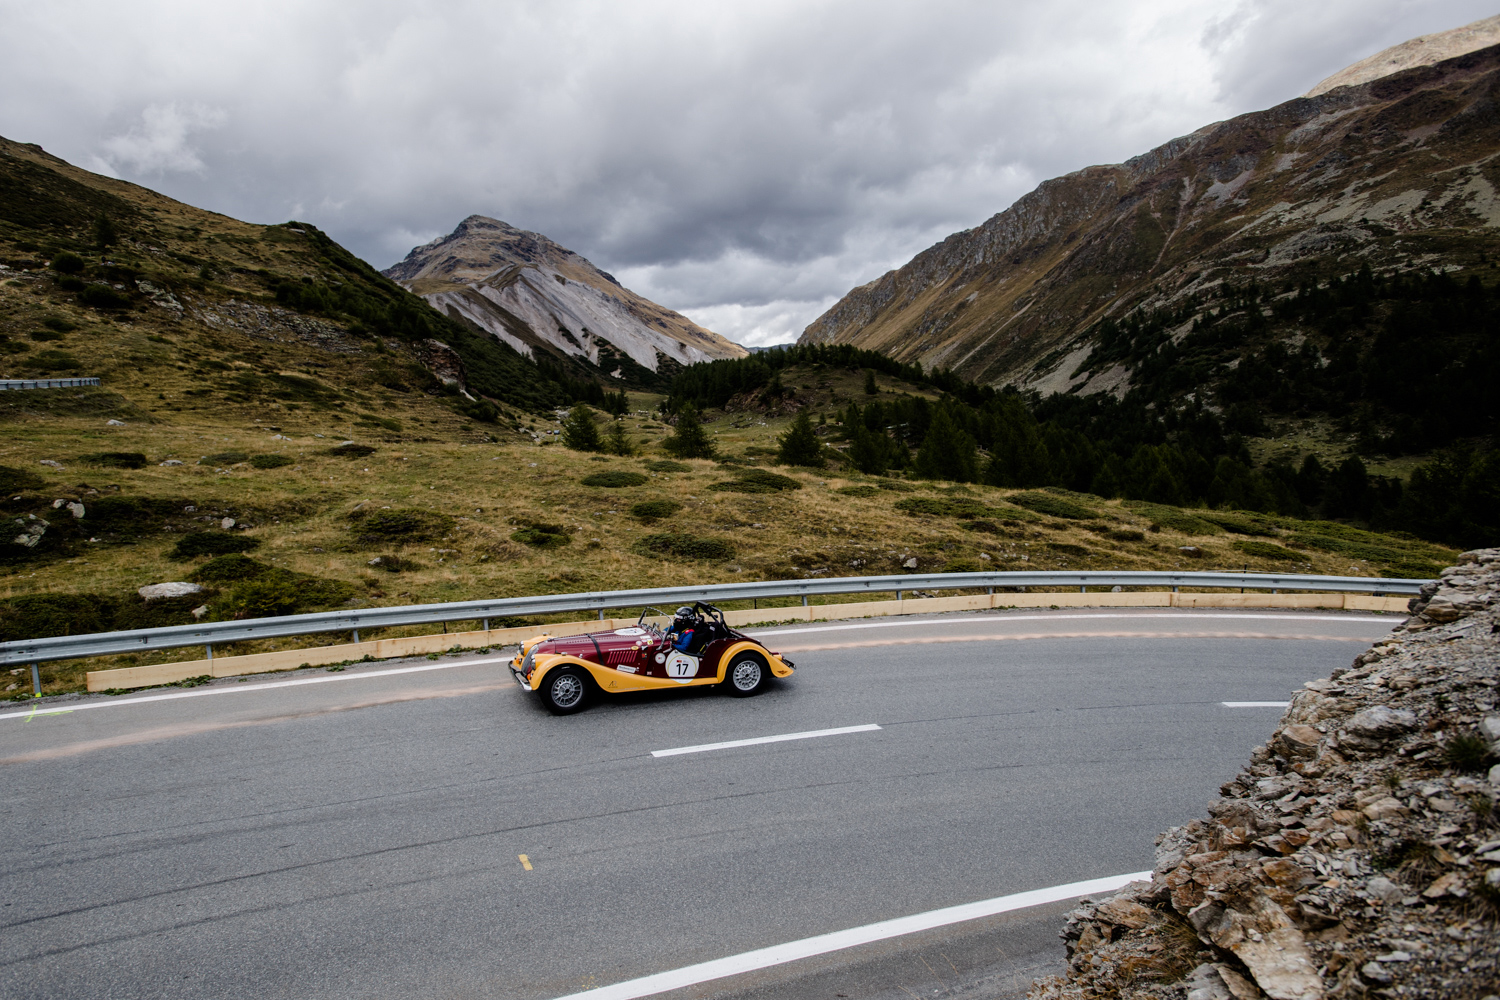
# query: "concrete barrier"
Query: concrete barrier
423,645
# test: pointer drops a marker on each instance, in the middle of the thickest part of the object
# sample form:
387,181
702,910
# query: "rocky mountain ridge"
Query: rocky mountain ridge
532,294
1359,852
1396,173
1423,50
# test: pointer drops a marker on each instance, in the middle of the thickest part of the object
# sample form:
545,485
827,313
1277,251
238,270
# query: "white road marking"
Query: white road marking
780,954
764,739
965,620
243,688
1255,704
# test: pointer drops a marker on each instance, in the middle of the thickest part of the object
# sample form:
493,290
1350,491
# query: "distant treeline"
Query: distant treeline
1144,447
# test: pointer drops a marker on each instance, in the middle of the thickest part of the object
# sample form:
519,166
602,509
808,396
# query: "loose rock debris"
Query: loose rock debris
1359,853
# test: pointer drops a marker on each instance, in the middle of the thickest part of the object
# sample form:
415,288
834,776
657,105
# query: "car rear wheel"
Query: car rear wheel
748,674
565,691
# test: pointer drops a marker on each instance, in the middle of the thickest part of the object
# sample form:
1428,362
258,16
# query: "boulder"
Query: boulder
161,591
1263,937
1376,726
1300,741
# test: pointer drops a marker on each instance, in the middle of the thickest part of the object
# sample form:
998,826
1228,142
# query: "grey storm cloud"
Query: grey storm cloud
743,162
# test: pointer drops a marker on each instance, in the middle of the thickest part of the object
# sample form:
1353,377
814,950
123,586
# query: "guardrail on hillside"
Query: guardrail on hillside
67,647
12,384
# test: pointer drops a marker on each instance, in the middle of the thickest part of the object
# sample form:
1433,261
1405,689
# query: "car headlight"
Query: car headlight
528,662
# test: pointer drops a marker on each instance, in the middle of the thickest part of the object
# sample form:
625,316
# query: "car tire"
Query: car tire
748,674
566,690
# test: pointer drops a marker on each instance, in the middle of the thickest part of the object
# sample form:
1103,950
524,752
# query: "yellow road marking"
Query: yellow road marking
526,864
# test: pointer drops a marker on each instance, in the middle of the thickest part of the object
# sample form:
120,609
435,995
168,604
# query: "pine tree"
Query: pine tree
947,452
579,431
616,403
869,451
690,439
870,387
800,445
618,443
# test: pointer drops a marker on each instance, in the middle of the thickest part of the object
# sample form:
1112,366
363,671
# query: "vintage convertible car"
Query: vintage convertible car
565,672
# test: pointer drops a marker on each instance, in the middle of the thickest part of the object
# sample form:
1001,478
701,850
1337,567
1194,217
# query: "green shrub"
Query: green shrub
651,510
13,480
1068,549
395,564
53,361
1125,536
668,466
542,536
8,346
59,324
102,297
351,450
224,458
481,410
67,263
1240,524
211,543
859,491
400,524
1265,550
385,423
895,486
115,459
271,461
1052,506
945,507
1412,569
231,568
964,566
614,479
1174,518
71,284
1466,751
684,546
43,336
281,592
34,616
758,481
984,527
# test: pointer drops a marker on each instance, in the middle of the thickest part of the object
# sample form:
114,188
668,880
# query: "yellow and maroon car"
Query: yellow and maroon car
567,671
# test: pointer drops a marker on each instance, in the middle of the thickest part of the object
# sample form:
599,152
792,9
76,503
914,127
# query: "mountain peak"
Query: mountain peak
1421,51
532,293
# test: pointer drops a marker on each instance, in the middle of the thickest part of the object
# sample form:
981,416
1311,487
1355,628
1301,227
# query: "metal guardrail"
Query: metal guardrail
66,647
11,384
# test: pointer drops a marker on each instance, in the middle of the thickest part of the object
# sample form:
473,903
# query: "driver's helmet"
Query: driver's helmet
684,616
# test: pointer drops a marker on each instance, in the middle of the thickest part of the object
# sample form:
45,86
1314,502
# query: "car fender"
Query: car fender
605,678
778,667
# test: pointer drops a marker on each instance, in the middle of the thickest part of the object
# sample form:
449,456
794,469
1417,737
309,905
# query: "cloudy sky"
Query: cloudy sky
745,162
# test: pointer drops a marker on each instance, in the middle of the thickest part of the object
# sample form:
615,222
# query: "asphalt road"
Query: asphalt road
361,836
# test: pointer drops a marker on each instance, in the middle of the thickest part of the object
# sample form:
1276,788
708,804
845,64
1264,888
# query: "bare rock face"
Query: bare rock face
1358,855
1342,174
1422,51
531,293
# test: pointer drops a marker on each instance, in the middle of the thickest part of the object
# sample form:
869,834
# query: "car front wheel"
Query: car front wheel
565,691
747,675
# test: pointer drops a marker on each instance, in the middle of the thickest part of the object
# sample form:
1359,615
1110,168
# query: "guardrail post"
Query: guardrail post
355,631
210,651
1083,590
601,614
804,600
36,682
899,593
486,623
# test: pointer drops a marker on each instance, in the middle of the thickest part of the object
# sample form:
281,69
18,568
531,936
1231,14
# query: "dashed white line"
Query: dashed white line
700,748
780,954
1255,704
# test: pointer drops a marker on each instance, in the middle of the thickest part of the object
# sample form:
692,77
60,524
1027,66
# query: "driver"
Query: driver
680,632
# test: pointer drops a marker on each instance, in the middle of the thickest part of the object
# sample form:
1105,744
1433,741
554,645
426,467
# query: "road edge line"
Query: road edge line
792,951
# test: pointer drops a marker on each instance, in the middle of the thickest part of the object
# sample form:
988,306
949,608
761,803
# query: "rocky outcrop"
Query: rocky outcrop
531,293
1359,853
1397,173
